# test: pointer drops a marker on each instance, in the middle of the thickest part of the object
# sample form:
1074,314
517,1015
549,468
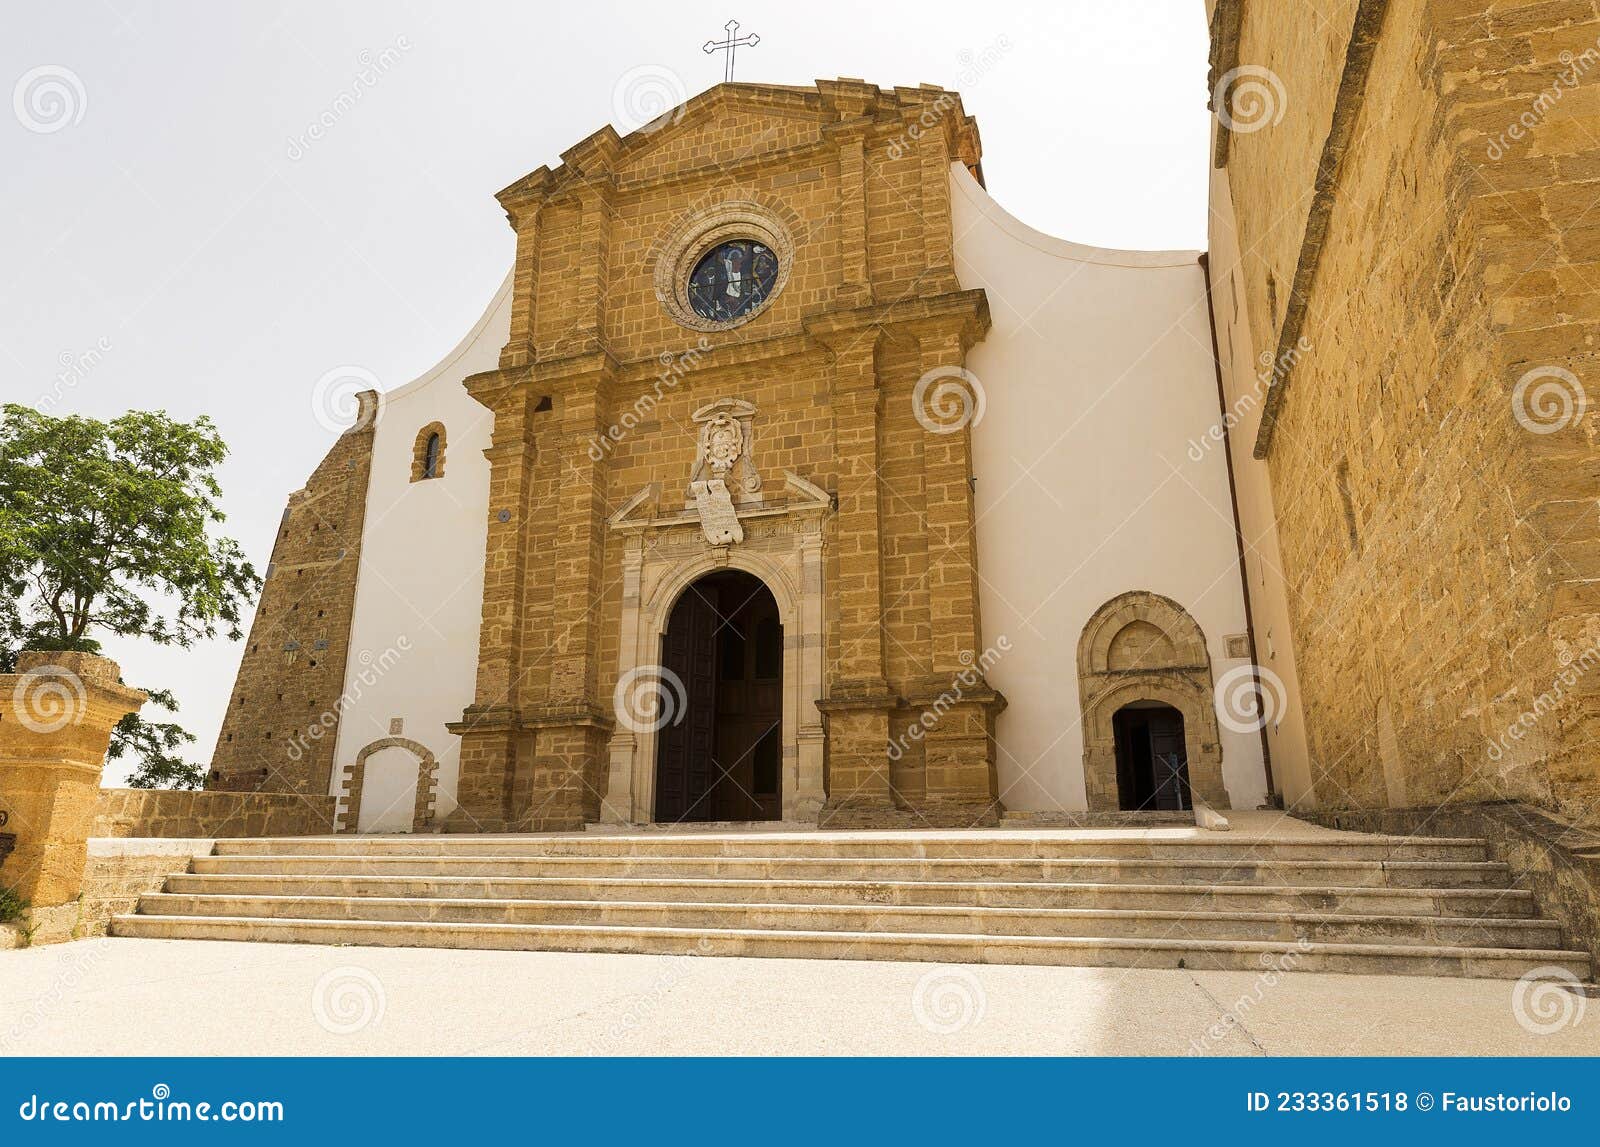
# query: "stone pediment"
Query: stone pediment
717,135
765,119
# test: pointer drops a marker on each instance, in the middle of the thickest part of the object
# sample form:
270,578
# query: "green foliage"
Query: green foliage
154,744
12,906
98,517
98,521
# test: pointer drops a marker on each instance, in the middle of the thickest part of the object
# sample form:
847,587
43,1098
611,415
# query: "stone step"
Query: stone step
1450,902
989,845
1347,873
1243,955
1080,922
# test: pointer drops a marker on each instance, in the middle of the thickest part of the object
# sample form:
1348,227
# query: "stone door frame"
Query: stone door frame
662,559
1182,680
355,779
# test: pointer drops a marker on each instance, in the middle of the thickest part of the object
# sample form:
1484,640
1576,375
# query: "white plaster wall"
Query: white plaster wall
1244,381
1097,375
419,590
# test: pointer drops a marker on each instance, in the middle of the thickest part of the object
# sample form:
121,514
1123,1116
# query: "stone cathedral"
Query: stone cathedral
786,477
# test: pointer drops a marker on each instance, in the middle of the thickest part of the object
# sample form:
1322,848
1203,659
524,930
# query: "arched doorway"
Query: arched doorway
724,642
392,786
1142,649
1152,760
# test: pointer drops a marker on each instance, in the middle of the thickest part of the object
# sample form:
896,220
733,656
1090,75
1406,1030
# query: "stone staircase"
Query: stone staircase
1172,898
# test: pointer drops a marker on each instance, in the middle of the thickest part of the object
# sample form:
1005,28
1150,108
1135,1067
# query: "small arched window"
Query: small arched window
427,457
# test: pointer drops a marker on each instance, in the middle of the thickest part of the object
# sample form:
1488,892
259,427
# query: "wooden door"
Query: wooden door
685,767
749,705
1168,761
1152,759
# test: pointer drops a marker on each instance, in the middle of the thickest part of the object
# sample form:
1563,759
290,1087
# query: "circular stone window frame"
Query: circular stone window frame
700,234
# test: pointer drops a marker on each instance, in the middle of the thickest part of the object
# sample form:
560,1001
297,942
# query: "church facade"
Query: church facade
786,477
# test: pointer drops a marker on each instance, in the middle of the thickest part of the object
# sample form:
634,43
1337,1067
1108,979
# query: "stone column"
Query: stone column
56,716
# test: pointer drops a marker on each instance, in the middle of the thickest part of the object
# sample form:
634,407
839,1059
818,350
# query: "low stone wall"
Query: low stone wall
180,813
115,875
120,871
1558,862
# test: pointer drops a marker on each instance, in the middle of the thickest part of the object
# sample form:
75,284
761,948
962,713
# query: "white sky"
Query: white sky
215,268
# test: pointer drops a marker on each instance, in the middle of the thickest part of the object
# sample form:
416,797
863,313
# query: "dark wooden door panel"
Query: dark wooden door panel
724,642
684,766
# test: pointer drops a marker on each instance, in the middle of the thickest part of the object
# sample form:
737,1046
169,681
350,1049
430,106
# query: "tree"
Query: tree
106,526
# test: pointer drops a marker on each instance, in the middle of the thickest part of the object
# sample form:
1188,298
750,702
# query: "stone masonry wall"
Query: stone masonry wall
1432,451
858,178
282,721
121,871
175,813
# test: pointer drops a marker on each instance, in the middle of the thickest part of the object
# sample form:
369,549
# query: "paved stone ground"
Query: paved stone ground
176,997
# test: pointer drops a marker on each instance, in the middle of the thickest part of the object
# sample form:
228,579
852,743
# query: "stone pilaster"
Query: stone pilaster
567,770
523,202
852,102
859,699
958,745
488,727
856,288
488,758
935,150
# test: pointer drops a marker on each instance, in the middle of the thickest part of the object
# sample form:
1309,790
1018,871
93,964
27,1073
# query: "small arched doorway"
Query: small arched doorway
1152,759
722,761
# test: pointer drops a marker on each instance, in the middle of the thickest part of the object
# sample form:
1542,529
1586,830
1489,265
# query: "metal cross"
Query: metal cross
733,41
